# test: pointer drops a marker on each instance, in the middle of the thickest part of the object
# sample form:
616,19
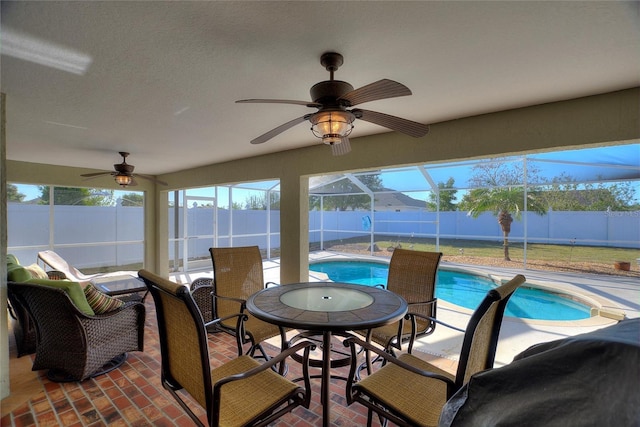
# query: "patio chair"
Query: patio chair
411,392
412,275
237,274
201,290
72,344
241,392
53,261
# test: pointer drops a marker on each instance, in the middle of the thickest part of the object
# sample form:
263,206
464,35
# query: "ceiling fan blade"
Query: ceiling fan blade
150,178
405,126
382,89
341,149
279,101
273,132
87,175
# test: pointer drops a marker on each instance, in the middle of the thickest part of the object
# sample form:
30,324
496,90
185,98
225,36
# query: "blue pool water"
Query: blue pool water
464,289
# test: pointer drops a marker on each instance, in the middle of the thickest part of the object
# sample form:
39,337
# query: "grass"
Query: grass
580,258
494,249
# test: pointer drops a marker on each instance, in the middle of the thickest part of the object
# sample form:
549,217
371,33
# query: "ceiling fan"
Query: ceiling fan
333,122
123,173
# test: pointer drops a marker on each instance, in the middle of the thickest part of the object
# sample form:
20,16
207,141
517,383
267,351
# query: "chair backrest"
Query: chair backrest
183,339
481,336
237,273
56,262
412,275
52,311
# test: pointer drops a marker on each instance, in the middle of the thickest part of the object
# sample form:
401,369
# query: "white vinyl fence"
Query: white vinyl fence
96,236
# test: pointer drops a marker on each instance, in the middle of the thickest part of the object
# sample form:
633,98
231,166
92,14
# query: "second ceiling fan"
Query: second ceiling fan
333,122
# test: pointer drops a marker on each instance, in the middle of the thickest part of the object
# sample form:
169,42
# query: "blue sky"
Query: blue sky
611,163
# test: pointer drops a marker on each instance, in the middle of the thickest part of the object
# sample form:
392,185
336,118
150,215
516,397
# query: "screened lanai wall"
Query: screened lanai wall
591,199
588,197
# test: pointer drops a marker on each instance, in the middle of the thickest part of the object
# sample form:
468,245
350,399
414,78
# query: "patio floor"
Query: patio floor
132,395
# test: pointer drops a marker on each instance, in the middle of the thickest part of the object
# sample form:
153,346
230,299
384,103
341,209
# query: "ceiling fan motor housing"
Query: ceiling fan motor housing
124,168
328,92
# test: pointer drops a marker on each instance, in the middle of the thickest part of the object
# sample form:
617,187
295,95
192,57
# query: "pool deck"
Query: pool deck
617,296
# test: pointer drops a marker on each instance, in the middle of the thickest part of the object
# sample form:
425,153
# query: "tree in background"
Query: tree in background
447,197
132,199
259,201
499,189
566,194
13,195
338,198
76,196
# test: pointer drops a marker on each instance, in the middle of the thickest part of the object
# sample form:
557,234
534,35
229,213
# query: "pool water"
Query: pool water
464,289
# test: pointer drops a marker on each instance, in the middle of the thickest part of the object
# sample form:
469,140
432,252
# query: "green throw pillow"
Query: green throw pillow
100,302
17,273
11,259
72,289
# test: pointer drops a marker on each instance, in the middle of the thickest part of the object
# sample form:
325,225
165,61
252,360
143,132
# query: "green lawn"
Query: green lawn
494,249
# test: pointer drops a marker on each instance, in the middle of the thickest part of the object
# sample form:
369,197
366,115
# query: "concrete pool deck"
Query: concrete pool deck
616,295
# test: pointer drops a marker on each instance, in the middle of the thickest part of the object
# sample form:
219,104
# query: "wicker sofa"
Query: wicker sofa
71,340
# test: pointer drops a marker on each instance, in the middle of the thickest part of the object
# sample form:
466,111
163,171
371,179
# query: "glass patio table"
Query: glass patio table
123,284
326,307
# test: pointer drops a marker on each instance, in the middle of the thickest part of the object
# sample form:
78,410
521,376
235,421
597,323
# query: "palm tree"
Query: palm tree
502,194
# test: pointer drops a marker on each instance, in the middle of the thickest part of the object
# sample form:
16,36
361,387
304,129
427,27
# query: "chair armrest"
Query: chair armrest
240,301
414,327
439,322
353,342
241,318
128,305
308,346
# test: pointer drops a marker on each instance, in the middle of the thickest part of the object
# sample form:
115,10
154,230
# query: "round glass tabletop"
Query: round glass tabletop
326,299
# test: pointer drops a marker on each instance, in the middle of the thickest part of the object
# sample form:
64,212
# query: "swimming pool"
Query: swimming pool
465,289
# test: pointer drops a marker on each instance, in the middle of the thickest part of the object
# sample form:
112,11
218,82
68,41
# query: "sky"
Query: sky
611,163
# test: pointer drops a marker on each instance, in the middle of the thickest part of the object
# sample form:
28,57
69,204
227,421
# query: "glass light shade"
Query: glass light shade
123,179
332,126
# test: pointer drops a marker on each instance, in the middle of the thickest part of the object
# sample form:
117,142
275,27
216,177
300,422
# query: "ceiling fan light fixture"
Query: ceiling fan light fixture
123,179
332,126
341,149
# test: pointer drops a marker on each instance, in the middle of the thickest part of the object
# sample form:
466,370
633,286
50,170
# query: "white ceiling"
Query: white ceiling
159,79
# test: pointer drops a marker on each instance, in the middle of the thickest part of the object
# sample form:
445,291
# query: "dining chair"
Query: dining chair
237,274
240,392
412,275
411,392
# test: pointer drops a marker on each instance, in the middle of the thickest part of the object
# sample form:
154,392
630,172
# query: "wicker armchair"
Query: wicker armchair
201,290
72,345
237,274
24,329
241,392
411,392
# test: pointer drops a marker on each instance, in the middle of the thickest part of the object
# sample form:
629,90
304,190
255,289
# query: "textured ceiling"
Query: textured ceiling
85,80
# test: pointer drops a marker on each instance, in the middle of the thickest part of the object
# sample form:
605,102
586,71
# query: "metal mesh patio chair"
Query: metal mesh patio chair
73,345
411,392
412,275
242,391
237,274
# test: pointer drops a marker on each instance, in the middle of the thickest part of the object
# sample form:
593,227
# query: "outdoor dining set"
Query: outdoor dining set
368,330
